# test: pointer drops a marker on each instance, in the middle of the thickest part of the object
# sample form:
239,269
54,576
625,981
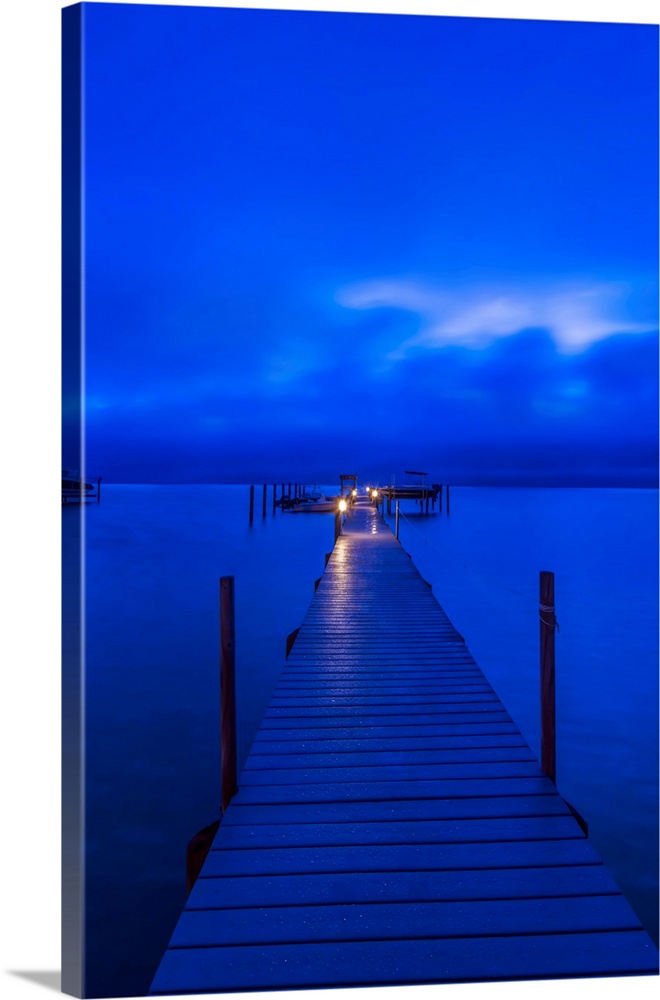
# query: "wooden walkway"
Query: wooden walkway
392,826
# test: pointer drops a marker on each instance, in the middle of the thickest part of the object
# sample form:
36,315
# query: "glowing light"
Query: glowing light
342,505
374,493
354,493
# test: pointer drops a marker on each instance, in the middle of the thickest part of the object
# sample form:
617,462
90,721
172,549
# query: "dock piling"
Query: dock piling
548,721
396,522
227,692
251,514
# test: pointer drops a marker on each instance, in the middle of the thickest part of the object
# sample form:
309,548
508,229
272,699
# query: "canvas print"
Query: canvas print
359,500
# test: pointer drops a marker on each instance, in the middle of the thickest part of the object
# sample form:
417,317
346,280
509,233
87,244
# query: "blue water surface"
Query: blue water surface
154,556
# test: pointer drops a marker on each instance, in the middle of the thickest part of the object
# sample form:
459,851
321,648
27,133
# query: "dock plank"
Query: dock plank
410,886
403,962
384,758
424,831
391,921
388,808
359,858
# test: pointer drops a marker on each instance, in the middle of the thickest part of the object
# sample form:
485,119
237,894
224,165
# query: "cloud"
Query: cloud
575,313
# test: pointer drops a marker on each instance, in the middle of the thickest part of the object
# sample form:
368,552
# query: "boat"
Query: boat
312,501
320,506
75,489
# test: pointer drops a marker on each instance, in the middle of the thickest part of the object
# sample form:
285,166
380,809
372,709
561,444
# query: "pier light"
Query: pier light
374,493
354,493
342,505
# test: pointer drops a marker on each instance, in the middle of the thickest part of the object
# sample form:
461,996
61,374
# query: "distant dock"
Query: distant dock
391,825
424,493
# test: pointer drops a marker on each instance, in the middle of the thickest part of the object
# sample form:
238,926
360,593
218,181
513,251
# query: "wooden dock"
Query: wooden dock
391,825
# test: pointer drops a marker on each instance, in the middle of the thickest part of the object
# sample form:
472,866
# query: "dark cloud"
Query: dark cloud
519,410
285,216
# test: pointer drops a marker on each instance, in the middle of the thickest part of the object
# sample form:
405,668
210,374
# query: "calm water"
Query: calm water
154,557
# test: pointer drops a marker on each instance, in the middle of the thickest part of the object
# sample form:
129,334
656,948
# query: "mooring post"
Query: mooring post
447,498
396,521
274,498
337,524
263,501
227,692
548,719
251,504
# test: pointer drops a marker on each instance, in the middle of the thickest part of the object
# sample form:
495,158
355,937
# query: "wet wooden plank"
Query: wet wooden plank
440,742
399,831
386,714
394,789
393,921
388,808
429,960
555,881
400,857
403,772
384,758
502,724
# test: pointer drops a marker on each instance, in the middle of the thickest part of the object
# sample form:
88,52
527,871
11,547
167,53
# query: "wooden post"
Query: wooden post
263,502
447,498
274,498
548,720
440,498
227,692
290,639
426,507
389,504
396,521
98,489
337,524
251,504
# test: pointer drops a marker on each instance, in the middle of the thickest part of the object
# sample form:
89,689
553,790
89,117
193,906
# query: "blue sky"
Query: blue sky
319,243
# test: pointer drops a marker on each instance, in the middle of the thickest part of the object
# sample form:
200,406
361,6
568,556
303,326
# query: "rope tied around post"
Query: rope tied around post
549,609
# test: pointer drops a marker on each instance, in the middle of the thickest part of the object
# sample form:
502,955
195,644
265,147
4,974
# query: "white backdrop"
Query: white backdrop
29,552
